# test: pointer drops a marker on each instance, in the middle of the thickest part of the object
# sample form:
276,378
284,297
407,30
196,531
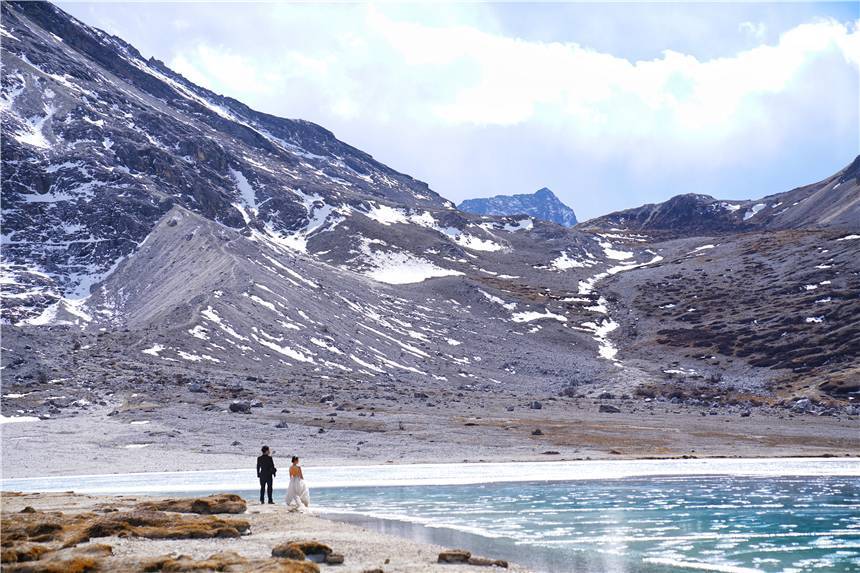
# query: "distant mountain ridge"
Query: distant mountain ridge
542,204
833,202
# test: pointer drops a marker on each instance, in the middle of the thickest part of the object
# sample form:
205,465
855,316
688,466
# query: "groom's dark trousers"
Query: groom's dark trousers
266,471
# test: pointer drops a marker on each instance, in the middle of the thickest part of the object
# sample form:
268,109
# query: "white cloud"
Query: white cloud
472,109
463,75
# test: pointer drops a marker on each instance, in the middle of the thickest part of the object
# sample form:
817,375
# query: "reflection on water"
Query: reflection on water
729,524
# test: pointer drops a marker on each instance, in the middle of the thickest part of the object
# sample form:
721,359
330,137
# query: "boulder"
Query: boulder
482,561
802,405
209,505
334,559
454,556
288,551
535,405
608,409
313,550
240,407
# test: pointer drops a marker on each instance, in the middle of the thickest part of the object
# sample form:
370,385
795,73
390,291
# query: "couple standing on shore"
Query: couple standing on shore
297,492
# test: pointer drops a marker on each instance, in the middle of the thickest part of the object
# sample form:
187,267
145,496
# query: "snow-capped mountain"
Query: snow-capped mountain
155,232
542,204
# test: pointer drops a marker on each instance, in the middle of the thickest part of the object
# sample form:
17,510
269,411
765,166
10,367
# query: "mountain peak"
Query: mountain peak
542,204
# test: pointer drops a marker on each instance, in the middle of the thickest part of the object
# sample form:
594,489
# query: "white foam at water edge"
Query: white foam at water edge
723,568
443,474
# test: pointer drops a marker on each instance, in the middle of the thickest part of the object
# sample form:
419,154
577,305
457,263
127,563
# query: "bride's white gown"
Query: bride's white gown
297,493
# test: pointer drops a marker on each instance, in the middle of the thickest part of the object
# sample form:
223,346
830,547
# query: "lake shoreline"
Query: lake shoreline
363,519
362,549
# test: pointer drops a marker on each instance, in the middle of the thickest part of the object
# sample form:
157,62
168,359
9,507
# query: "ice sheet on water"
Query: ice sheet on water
443,474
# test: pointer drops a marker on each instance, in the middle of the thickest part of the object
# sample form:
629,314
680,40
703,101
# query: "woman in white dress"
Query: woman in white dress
298,496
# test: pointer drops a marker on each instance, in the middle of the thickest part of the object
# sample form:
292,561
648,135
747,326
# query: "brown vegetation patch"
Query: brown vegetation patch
213,504
70,530
217,562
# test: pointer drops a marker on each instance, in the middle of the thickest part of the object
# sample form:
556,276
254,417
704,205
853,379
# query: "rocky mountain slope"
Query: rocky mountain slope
833,202
542,204
161,240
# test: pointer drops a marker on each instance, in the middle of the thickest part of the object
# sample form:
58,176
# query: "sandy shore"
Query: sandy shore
363,549
173,436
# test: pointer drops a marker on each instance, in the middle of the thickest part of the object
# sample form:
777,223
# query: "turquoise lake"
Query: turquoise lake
625,516
731,524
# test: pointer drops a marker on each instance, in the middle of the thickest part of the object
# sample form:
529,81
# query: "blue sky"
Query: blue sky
610,105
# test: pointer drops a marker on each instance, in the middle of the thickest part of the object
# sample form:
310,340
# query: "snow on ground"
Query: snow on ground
474,243
600,331
17,419
815,319
611,252
33,133
849,238
154,350
246,194
328,345
398,267
497,300
600,307
521,225
195,357
267,341
199,332
754,211
385,215
531,315
373,367
564,262
586,286
210,314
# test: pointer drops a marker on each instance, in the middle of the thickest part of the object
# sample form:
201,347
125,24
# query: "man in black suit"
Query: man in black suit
266,471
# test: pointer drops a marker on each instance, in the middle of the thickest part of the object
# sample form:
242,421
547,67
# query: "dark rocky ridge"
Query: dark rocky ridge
542,204
833,202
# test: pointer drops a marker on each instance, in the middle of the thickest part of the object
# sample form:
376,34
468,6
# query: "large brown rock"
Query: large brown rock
289,551
284,566
210,505
488,562
310,548
454,556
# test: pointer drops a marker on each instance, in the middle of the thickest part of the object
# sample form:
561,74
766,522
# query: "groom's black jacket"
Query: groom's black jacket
266,467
